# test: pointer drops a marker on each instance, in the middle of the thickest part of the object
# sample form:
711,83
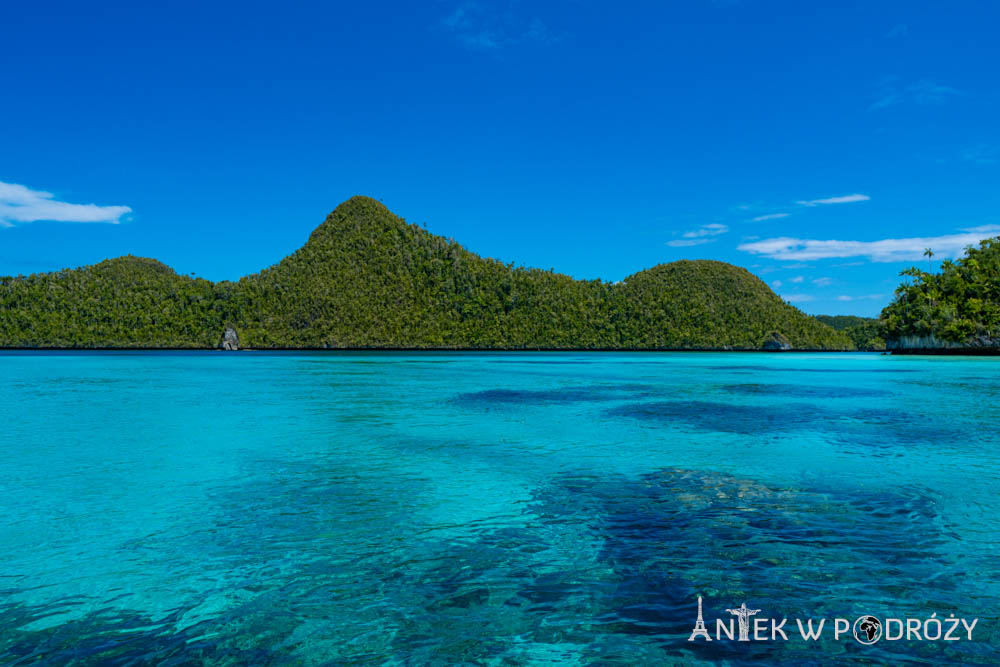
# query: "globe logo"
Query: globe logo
867,629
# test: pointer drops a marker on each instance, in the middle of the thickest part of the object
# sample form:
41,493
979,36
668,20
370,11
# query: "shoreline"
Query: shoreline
424,349
951,352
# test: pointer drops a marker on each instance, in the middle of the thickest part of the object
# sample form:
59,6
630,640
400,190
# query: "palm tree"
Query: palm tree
928,253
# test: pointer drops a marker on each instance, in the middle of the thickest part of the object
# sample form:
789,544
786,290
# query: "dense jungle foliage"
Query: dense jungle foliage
123,302
961,304
865,332
366,278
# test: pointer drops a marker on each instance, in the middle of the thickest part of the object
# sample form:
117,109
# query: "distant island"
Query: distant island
367,279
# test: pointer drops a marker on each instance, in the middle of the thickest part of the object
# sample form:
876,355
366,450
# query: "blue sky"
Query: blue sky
820,145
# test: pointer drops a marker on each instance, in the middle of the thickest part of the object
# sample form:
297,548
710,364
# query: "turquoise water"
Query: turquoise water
490,508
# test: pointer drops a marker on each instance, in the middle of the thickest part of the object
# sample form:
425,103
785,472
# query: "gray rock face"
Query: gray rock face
230,341
776,342
921,343
932,343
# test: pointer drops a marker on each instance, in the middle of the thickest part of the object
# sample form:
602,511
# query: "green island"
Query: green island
367,279
954,311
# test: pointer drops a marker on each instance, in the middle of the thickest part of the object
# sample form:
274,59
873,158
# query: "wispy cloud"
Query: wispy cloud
845,199
797,298
922,92
703,234
713,229
480,26
800,204
20,204
822,282
885,250
798,279
844,297
777,283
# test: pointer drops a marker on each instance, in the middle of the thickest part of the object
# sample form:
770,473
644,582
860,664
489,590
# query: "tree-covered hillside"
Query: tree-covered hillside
864,332
366,278
123,302
692,304
960,306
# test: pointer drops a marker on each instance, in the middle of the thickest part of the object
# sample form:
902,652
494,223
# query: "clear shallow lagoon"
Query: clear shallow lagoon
519,507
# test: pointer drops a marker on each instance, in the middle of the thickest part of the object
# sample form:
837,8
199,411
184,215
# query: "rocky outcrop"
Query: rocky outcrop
933,345
775,342
230,341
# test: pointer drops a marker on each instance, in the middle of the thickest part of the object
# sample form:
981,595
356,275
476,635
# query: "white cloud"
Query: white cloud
21,204
776,283
797,279
885,250
713,229
703,234
796,298
769,216
822,282
846,199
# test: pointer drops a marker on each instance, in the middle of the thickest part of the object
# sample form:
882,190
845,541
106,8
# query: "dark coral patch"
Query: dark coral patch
554,396
726,417
803,391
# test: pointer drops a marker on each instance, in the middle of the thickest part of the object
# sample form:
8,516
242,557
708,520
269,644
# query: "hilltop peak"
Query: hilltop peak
133,262
359,213
359,205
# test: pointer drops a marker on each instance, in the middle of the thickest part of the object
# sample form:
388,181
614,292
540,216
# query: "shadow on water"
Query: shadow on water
870,431
321,567
803,391
555,396
801,369
124,637
728,417
610,569
673,535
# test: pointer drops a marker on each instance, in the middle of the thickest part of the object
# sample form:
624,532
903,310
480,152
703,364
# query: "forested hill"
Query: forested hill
366,278
957,309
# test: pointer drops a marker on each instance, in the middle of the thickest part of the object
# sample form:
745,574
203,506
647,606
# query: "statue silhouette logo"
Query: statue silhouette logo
867,629
744,614
699,626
